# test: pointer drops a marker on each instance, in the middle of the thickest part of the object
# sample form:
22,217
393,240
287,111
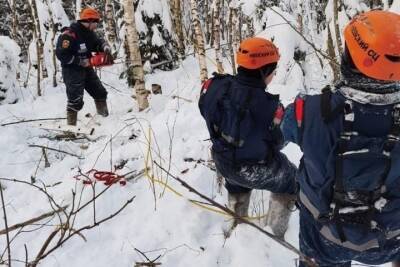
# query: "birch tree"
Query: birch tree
199,41
41,67
217,35
69,8
53,30
177,20
14,22
233,38
110,24
135,69
331,53
336,4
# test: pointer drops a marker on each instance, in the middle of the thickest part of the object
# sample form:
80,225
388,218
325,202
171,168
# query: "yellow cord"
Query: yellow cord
194,202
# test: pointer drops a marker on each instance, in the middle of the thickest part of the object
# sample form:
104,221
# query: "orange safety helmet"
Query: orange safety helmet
89,14
256,52
373,42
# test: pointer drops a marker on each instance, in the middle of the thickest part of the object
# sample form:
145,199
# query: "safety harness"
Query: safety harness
356,207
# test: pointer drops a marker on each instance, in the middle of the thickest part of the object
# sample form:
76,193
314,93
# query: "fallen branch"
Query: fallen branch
57,150
282,242
87,227
31,221
24,121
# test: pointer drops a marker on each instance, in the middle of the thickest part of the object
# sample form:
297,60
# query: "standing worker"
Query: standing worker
74,49
349,175
243,122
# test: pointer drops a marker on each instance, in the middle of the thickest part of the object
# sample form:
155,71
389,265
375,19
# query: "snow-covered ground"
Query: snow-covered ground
159,223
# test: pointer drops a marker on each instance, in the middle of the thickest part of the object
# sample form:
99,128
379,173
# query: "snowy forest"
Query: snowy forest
162,202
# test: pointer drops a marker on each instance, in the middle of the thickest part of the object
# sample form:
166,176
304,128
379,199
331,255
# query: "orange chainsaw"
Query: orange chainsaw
101,59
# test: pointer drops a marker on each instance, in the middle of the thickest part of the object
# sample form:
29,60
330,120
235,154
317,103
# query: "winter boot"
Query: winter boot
239,203
280,207
101,107
72,117
396,264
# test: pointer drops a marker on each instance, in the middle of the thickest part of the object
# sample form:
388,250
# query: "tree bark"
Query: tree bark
331,53
110,25
53,37
37,42
13,6
207,21
199,41
177,20
135,67
336,24
217,35
231,33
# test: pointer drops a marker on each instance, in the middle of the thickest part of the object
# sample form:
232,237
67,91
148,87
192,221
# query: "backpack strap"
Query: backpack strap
326,109
205,86
278,116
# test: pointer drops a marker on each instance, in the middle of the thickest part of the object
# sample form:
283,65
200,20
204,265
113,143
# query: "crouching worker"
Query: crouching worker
74,49
243,122
350,136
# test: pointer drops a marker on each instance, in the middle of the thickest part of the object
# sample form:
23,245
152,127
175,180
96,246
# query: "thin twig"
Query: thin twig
88,227
26,255
57,150
37,187
44,247
31,221
24,121
6,225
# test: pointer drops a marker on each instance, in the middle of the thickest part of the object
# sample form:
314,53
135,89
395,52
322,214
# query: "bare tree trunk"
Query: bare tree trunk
78,6
199,41
240,18
222,12
177,20
110,25
217,35
336,24
40,40
53,37
207,21
331,53
250,27
136,67
37,42
13,6
235,27
231,32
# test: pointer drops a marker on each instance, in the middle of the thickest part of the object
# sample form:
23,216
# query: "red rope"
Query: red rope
108,178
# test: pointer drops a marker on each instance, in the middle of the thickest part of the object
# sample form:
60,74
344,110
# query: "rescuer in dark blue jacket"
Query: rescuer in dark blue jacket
243,121
349,175
74,49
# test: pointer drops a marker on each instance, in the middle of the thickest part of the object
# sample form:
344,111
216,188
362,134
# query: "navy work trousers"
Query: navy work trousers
277,176
78,79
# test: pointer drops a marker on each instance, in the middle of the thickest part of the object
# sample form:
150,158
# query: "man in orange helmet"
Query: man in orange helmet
74,49
349,175
243,121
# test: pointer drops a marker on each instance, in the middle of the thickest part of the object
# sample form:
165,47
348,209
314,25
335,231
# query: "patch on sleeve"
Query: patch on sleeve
66,44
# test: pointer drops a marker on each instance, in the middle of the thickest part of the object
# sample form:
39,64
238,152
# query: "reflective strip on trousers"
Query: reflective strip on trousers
327,233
